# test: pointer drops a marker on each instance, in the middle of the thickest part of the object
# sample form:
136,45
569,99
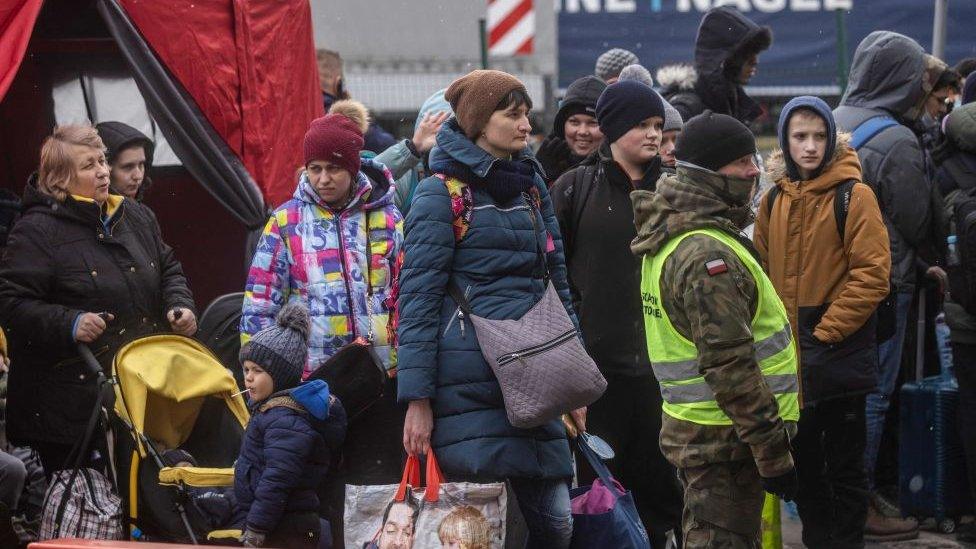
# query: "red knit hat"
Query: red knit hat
334,138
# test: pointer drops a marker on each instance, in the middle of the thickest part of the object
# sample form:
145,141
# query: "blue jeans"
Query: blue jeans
889,364
545,506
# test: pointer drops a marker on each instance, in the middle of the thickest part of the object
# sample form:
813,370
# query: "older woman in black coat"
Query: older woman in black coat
80,266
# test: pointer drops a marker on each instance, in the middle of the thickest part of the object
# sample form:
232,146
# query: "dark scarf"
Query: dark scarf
506,179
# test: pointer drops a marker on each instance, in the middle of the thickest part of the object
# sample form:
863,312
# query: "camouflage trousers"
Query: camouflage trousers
723,506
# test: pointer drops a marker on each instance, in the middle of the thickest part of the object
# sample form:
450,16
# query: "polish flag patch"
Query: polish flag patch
716,267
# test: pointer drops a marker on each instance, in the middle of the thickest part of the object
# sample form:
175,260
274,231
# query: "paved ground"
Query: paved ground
926,539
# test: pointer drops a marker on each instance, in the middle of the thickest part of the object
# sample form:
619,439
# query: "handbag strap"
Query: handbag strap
458,295
540,253
369,281
598,466
455,291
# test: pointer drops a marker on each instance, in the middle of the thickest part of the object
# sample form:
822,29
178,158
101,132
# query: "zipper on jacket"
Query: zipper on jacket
799,273
345,277
536,349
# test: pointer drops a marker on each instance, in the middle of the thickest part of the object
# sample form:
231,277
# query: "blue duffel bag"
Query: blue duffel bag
604,514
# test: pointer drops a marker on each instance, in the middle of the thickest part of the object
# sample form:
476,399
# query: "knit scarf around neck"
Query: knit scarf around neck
506,179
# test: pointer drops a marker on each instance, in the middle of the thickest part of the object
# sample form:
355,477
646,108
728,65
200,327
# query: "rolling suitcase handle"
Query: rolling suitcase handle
920,339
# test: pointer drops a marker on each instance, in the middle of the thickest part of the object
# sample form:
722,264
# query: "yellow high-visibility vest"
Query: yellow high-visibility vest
675,358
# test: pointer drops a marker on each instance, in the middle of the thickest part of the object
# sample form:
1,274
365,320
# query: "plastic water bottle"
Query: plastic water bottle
952,255
944,344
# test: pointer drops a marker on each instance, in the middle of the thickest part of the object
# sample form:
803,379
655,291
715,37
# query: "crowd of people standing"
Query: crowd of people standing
735,366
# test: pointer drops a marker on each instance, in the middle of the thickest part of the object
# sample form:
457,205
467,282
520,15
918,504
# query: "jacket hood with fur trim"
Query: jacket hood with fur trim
843,155
676,77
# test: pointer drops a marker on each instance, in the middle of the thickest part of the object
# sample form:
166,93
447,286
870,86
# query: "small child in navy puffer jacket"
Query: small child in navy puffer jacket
294,430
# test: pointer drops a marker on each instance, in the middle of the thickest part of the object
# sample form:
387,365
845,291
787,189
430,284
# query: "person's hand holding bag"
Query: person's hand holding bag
417,427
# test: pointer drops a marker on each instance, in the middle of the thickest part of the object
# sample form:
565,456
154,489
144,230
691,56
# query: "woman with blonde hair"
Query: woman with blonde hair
81,266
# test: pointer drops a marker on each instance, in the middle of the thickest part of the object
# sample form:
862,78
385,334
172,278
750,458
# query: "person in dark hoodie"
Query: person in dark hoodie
727,52
575,131
288,445
887,83
81,266
956,180
592,204
830,279
129,154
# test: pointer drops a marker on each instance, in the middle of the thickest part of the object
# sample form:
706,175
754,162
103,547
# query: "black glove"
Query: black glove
784,486
555,156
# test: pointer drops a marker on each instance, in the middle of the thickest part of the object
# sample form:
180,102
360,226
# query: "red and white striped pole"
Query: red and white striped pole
511,27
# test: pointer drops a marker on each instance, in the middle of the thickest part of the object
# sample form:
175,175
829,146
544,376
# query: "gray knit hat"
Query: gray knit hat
611,62
672,118
638,73
281,349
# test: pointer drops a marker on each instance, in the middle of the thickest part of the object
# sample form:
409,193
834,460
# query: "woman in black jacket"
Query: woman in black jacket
80,266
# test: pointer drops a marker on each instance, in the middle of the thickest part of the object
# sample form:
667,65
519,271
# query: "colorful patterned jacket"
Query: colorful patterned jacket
313,254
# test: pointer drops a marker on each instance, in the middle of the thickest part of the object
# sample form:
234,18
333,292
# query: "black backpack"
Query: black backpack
961,212
842,203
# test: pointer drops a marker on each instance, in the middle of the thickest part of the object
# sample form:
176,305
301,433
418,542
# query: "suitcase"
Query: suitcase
932,481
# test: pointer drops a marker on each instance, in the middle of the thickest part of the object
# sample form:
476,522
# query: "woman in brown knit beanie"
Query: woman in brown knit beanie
484,222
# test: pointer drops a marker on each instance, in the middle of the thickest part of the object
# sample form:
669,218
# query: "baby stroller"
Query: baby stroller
171,393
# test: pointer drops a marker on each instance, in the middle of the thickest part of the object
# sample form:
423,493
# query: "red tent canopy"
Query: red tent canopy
17,18
250,68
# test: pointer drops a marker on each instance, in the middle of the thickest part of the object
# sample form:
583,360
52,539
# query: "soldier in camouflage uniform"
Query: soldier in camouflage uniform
727,422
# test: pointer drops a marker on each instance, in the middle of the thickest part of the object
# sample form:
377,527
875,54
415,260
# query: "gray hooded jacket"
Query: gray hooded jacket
886,79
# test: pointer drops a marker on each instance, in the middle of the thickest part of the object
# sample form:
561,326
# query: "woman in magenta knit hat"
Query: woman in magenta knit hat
325,248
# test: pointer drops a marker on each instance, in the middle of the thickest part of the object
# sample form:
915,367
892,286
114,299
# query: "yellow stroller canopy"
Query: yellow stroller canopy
161,384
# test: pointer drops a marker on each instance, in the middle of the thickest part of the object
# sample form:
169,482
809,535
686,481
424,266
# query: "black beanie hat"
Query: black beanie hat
712,140
581,97
624,105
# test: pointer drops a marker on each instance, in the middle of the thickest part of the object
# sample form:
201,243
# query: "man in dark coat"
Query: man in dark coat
70,257
332,81
592,204
887,80
727,52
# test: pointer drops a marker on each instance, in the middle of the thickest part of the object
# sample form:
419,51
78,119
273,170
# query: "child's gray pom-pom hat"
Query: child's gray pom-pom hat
281,349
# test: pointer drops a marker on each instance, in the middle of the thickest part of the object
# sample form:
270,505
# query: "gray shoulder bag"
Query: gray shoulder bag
539,360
